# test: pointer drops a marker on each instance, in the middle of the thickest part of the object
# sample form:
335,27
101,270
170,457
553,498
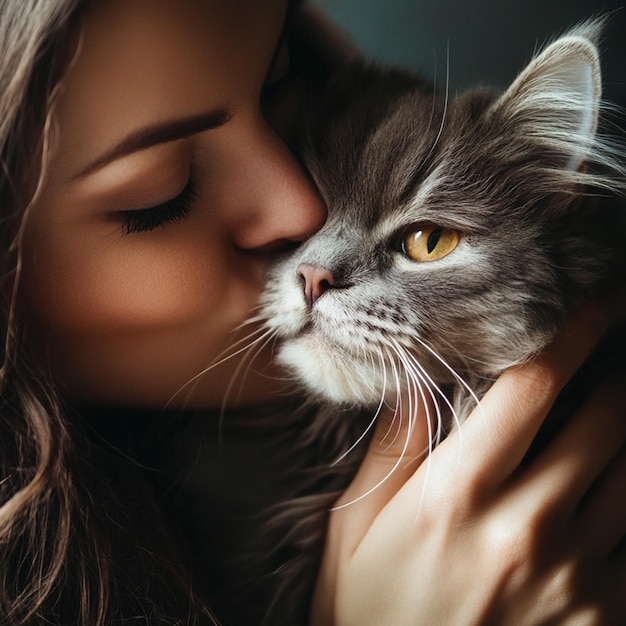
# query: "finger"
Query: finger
400,443
552,487
500,430
601,524
582,451
615,585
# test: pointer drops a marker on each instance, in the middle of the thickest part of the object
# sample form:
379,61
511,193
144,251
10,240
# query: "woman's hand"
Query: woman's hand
473,537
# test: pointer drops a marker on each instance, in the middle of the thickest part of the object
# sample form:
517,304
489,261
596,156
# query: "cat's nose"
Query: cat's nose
317,280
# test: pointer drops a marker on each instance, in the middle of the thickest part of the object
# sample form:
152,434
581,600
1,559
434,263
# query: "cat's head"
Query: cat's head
455,238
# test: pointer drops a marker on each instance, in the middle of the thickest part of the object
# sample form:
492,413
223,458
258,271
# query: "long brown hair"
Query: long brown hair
81,539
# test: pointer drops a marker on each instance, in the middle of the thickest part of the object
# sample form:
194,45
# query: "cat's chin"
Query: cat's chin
333,374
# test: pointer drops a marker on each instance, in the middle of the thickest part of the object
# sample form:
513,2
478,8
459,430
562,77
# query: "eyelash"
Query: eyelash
173,210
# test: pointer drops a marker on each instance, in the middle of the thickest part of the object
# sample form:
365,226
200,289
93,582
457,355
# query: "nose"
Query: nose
316,279
279,203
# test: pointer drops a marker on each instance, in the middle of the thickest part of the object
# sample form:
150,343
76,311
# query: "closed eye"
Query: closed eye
174,210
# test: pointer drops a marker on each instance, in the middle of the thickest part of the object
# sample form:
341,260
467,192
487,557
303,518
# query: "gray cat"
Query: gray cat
461,233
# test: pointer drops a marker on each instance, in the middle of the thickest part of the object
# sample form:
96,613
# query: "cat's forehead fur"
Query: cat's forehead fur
427,160
387,142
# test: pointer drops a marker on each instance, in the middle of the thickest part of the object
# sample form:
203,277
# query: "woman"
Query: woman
144,194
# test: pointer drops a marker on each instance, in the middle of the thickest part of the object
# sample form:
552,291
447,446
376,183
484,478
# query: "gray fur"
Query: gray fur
533,187
508,172
535,191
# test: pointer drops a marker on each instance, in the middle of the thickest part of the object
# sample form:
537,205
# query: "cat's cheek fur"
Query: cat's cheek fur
283,304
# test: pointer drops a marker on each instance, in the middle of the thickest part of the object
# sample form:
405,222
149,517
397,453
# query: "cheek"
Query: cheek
122,285
133,320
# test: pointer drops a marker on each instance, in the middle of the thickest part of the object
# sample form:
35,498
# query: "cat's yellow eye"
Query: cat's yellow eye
429,243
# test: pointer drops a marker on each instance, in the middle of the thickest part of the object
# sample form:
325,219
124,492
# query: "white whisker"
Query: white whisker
415,369
420,379
398,395
220,361
444,113
398,413
457,376
383,480
431,384
372,421
255,319
248,360
258,345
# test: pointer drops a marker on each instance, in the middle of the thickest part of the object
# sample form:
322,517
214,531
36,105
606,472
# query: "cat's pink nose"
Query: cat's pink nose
317,280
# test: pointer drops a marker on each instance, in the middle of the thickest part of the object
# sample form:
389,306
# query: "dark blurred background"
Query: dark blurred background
486,41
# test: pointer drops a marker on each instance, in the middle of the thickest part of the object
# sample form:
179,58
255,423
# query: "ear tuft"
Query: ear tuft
555,101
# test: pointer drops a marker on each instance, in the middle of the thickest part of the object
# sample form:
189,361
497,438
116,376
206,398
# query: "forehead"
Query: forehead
140,62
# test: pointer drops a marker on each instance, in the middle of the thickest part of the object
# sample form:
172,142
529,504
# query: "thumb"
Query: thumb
400,443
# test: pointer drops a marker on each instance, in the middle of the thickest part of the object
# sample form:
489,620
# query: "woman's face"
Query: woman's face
167,194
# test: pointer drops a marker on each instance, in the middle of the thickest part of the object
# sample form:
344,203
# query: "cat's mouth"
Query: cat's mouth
311,332
317,341
307,327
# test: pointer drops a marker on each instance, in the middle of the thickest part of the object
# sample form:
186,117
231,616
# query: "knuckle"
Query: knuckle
541,379
561,584
512,544
517,541
444,497
567,589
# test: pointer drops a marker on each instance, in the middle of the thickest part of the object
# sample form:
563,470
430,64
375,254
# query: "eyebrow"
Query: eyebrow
154,134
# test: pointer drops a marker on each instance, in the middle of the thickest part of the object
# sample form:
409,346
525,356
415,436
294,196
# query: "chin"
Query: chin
331,374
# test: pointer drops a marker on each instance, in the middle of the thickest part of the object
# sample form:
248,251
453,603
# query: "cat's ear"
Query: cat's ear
555,101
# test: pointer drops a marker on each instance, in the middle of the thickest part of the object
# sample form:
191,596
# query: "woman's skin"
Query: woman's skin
130,318
161,92
536,545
